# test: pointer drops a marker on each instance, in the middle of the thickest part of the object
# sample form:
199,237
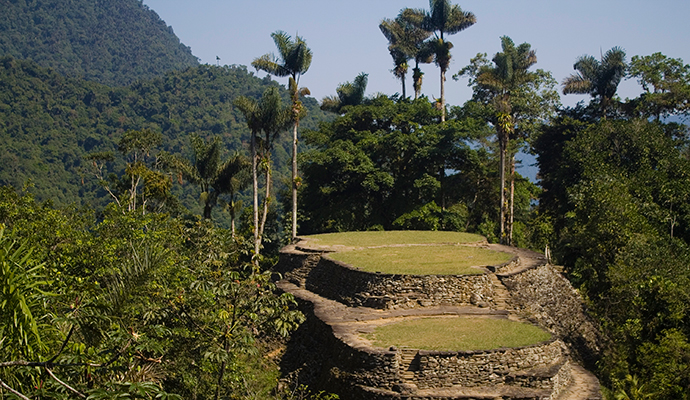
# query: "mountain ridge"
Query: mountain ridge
114,42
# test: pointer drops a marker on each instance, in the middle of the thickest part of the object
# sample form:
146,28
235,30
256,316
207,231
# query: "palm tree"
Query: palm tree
442,18
349,94
501,81
266,116
208,172
293,61
405,43
598,79
233,177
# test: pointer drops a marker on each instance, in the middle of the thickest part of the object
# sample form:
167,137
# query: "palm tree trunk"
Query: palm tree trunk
294,181
443,95
402,78
502,177
232,218
267,199
255,187
512,197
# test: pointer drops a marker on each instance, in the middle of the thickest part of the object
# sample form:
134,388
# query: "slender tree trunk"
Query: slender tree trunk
221,373
267,199
232,225
294,181
402,78
443,95
232,215
255,187
512,197
502,177
207,206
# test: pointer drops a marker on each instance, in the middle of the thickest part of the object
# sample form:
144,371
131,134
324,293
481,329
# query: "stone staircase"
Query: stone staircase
409,364
501,294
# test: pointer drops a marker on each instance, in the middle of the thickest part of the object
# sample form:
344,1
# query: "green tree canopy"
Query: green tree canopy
111,42
666,84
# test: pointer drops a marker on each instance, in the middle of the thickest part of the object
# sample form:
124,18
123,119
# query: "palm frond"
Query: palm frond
233,175
414,17
250,109
577,84
330,103
283,43
269,63
299,59
458,20
587,66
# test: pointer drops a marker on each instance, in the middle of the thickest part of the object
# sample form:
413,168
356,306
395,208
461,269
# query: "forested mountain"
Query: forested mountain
48,123
114,42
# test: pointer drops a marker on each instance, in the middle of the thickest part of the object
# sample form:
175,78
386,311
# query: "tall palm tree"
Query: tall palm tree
598,79
349,94
294,59
509,74
405,41
269,117
442,19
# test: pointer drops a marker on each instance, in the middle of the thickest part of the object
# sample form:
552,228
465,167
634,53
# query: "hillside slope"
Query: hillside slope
114,42
49,122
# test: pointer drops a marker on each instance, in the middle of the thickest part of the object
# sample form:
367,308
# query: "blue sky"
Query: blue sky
345,38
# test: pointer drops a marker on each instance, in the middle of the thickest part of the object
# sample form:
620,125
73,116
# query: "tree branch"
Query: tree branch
16,393
73,390
62,348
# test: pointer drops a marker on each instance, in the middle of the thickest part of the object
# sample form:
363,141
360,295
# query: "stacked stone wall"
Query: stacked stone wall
482,368
338,281
539,293
326,362
547,297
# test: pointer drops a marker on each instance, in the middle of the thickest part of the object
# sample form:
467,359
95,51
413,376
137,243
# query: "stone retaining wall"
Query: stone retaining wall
325,362
316,357
483,368
338,281
549,298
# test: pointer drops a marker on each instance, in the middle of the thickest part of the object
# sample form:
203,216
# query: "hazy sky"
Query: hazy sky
345,38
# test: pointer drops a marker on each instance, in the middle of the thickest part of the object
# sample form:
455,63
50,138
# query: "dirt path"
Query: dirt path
584,386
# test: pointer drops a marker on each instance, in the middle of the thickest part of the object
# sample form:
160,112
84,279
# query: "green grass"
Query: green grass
383,238
422,260
457,333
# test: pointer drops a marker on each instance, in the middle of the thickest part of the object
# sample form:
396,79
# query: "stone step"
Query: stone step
501,294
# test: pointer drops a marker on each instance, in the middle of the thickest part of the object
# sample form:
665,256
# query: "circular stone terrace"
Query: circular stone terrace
423,254
428,308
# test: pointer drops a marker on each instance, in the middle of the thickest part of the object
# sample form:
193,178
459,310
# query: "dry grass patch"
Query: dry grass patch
457,334
422,260
384,238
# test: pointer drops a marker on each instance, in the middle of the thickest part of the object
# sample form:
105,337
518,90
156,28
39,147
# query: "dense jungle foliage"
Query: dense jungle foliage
116,283
111,42
133,305
48,123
